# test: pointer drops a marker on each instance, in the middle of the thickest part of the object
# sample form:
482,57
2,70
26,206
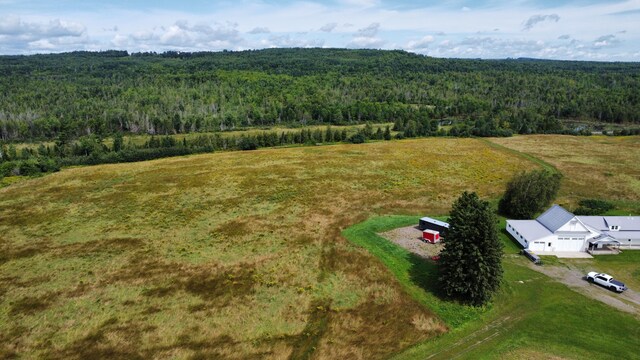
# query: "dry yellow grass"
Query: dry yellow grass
594,167
232,255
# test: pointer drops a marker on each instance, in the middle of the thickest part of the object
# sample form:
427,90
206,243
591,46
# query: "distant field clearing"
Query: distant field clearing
603,167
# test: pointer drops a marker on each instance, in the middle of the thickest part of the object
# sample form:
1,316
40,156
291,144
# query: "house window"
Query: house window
549,244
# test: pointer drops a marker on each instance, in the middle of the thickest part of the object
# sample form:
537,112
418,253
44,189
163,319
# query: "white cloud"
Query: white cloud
361,3
15,26
120,41
420,44
42,44
366,37
342,23
288,41
366,43
606,40
260,30
176,35
17,35
536,19
369,31
329,27
182,35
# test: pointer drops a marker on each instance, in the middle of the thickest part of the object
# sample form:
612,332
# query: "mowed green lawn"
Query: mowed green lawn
532,316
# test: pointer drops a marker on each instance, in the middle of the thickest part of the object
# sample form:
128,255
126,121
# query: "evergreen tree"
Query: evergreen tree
12,153
42,150
387,133
529,193
328,136
117,142
379,135
367,132
470,263
411,130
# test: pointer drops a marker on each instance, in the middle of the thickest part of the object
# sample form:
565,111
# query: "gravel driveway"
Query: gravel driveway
410,238
628,301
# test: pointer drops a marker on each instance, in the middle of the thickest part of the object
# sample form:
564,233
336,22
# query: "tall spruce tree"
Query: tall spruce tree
470,263
528,193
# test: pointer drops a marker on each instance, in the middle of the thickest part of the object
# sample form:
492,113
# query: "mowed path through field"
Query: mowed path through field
229,255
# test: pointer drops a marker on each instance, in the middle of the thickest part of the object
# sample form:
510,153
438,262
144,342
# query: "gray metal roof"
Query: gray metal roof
531,229
624,235
555,217
624,222
602,223
596,222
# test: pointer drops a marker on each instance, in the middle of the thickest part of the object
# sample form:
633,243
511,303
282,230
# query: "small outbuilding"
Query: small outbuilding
431,236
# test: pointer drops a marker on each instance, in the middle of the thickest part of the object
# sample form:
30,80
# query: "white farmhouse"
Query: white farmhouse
558,230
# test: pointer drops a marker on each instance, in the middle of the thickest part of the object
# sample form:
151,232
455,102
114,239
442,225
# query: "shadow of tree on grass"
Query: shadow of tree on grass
424,273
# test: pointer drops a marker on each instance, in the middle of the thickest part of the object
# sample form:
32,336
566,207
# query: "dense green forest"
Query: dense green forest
67,96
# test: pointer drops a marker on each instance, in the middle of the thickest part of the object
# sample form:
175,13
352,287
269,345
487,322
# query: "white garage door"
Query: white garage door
568,244
537,246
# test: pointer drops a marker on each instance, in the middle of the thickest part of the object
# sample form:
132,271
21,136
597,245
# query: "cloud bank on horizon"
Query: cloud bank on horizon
606,30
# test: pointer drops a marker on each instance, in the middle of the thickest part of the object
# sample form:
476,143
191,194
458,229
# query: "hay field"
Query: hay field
228,255
601,167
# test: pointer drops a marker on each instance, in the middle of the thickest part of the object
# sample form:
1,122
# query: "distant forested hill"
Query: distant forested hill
81,93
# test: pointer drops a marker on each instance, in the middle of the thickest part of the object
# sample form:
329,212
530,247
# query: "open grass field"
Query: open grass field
230,255
240,255
600,167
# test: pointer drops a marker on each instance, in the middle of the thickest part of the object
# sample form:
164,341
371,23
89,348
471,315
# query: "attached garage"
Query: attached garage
537,246
568,243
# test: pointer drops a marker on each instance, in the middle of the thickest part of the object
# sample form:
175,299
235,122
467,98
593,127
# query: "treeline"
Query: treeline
83,93
91,150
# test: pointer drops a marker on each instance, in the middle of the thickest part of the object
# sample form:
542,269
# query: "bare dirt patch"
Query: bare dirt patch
410,238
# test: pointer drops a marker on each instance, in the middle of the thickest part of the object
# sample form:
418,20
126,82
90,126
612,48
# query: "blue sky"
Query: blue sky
607,30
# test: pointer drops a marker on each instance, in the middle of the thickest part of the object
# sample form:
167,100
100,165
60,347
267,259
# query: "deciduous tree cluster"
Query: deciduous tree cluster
528,193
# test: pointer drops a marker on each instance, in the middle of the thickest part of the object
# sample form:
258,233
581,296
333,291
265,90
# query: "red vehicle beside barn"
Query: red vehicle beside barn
431,236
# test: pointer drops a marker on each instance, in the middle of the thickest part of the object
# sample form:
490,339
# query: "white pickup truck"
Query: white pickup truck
606,281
